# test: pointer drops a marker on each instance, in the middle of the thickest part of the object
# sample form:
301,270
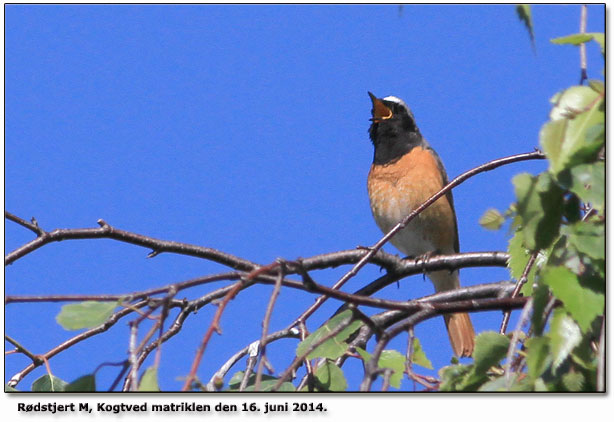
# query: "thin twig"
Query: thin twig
583,71
74,340
132,375
601,359
120,375
249,367
521,281
33,226
265,325
21,349
217,378
409,354
524,317
387,373
215,323
372,366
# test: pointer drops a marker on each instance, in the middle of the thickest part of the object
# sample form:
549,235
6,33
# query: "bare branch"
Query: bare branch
601,359
583,18
33,226
521,281
524,317
265,325
21,349
105,231
216,320
218,377
132,383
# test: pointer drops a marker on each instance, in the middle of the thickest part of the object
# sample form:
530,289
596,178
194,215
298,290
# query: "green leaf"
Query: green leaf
419,357
588,182
524,14
388,359
149,380
597,86
48,384
573,101
496,384
492,219
538,356
519,257
330,378
582,303
396,361
333,347
453,377
599,38
574,39
564,255
540,385
573,135
551,137
501,384
267,383
364,355
573,381
588,239
9,389
76,316
577,39
540,204
564,337
86,383
541,296
581,145
490,348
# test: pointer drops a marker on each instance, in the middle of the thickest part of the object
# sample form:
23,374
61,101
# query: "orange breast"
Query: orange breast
396,189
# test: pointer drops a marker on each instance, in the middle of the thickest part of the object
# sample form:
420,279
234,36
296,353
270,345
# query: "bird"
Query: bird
406,172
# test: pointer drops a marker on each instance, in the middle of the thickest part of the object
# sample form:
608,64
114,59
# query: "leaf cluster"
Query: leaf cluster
559,219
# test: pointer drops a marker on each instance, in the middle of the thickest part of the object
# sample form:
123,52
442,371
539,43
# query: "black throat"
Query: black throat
393,138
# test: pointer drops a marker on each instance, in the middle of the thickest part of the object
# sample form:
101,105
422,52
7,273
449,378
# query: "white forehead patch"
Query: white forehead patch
396,100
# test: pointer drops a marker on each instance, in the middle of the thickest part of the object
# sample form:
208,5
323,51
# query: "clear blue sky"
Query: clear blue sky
244,128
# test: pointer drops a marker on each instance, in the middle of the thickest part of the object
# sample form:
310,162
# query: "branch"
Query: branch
21,349
105,231
377,246
299,359
521,281
265,327
215,324
33,226
435,309
218,377
74,340
583,72
524,317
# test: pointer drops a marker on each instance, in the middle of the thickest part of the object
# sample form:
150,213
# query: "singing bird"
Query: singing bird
405,172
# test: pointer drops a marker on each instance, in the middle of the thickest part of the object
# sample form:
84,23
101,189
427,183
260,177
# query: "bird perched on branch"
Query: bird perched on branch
406,172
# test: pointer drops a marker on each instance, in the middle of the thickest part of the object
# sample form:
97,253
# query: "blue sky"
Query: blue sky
244,128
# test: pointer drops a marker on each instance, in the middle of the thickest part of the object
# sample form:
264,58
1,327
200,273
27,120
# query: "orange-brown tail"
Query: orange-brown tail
461,334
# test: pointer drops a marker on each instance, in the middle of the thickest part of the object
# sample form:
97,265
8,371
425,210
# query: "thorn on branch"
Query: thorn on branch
103,224
32,226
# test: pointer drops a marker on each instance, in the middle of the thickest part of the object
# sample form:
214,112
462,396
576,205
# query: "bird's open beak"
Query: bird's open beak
379,111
